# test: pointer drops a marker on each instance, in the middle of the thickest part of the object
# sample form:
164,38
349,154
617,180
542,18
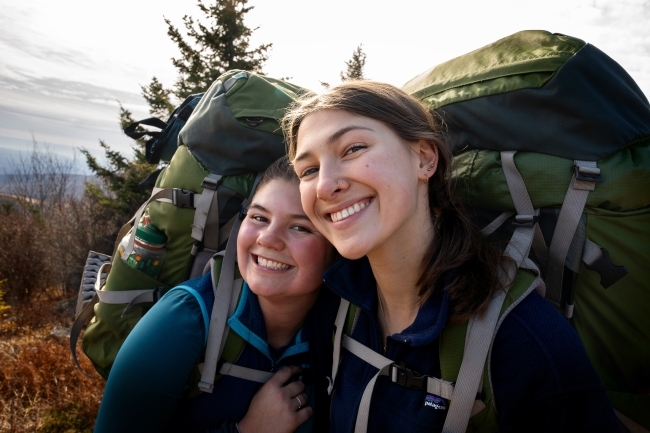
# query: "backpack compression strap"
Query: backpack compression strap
586,175
222,300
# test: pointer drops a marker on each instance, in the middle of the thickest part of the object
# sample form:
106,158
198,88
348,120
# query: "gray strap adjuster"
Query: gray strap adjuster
587,174
525,220
211,182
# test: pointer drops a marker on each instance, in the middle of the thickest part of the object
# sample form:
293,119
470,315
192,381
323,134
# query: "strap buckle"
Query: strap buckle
211,183
587,174
182,198
406,377
525,220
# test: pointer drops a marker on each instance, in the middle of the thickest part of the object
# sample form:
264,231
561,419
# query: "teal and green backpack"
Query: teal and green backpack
552,136
232,135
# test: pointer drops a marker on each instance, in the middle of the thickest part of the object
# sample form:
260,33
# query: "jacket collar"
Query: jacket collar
248,322
353,280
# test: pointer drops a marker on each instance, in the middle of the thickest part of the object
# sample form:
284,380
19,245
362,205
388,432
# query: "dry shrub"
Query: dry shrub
41,390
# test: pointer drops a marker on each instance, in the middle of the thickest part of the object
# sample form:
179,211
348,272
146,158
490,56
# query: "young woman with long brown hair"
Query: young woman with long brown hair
375,180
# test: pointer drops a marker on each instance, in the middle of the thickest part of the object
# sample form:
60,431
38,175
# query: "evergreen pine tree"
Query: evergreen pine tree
355,66
158,98
120,189
206,52
209,50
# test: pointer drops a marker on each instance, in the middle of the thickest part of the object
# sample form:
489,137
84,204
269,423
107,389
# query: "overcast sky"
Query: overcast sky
65,64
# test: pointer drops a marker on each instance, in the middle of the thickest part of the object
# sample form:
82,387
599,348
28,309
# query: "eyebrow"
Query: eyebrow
332,138
259,207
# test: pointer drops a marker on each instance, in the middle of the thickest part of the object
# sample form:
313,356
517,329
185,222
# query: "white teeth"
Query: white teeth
271,264
348,212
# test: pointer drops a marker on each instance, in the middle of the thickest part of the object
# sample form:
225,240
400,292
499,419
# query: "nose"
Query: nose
271,237
329,182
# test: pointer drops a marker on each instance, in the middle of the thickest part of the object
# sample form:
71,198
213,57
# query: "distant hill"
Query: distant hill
76,187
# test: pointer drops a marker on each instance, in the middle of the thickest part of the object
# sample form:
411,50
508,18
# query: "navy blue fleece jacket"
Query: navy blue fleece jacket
542,378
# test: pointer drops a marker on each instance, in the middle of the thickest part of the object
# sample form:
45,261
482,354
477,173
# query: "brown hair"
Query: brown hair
280,169
459,259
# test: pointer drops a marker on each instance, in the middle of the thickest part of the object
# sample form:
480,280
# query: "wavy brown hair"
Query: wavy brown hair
459,259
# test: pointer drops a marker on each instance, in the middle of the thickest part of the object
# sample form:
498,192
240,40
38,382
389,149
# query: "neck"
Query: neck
284,317
397,267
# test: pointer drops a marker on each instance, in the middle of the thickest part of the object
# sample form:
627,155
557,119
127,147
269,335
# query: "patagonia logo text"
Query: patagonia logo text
435,402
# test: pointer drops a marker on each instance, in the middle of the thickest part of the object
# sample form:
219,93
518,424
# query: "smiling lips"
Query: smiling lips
349,211
272,265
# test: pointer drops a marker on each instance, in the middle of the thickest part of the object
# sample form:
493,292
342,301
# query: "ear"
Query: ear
428,158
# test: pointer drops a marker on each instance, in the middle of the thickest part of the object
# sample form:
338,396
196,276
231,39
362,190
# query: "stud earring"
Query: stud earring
430,167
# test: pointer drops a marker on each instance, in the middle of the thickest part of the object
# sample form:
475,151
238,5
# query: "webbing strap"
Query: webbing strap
523,205
480,333
376,360
591,252
212,233
223,298
219,318
498,221
567,222
203,257
125,296
435,386
246,373
210,184
339,323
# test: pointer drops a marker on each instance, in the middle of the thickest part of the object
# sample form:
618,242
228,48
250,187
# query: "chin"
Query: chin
352,252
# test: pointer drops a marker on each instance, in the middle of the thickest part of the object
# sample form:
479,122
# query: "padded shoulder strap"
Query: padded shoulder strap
455,340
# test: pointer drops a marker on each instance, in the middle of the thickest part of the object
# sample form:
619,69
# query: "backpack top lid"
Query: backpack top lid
235,128
536,91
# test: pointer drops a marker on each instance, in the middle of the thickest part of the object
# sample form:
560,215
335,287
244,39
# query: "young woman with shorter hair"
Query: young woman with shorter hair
281,312
374,179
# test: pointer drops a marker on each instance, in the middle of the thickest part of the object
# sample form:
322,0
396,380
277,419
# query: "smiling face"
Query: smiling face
360,183
280,252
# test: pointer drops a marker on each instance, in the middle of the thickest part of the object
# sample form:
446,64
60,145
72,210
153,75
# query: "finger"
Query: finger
303,415
293,388
283,375
300,401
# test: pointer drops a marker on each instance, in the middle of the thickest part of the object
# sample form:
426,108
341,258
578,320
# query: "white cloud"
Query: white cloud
65,63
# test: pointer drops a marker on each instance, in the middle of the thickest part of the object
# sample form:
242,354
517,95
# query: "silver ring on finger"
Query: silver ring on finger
299,402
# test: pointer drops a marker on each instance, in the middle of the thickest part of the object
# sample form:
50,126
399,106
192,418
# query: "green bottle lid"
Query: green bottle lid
150,234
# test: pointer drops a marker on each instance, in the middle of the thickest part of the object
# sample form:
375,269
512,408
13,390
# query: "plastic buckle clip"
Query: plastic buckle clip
587,174
525,220
406,377
182,198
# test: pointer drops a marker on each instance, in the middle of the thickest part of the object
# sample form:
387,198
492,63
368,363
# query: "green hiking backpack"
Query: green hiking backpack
232,134
552,136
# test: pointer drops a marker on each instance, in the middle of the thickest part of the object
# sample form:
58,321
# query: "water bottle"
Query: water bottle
148,249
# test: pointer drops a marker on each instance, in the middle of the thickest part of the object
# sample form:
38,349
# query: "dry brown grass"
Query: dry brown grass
41,390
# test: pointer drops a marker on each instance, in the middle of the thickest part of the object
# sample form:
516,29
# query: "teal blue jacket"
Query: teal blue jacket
147,386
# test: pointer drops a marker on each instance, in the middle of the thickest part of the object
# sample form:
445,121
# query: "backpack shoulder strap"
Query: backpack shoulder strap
226,294
454,340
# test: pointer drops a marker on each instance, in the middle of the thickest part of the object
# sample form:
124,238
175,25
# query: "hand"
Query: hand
275,408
